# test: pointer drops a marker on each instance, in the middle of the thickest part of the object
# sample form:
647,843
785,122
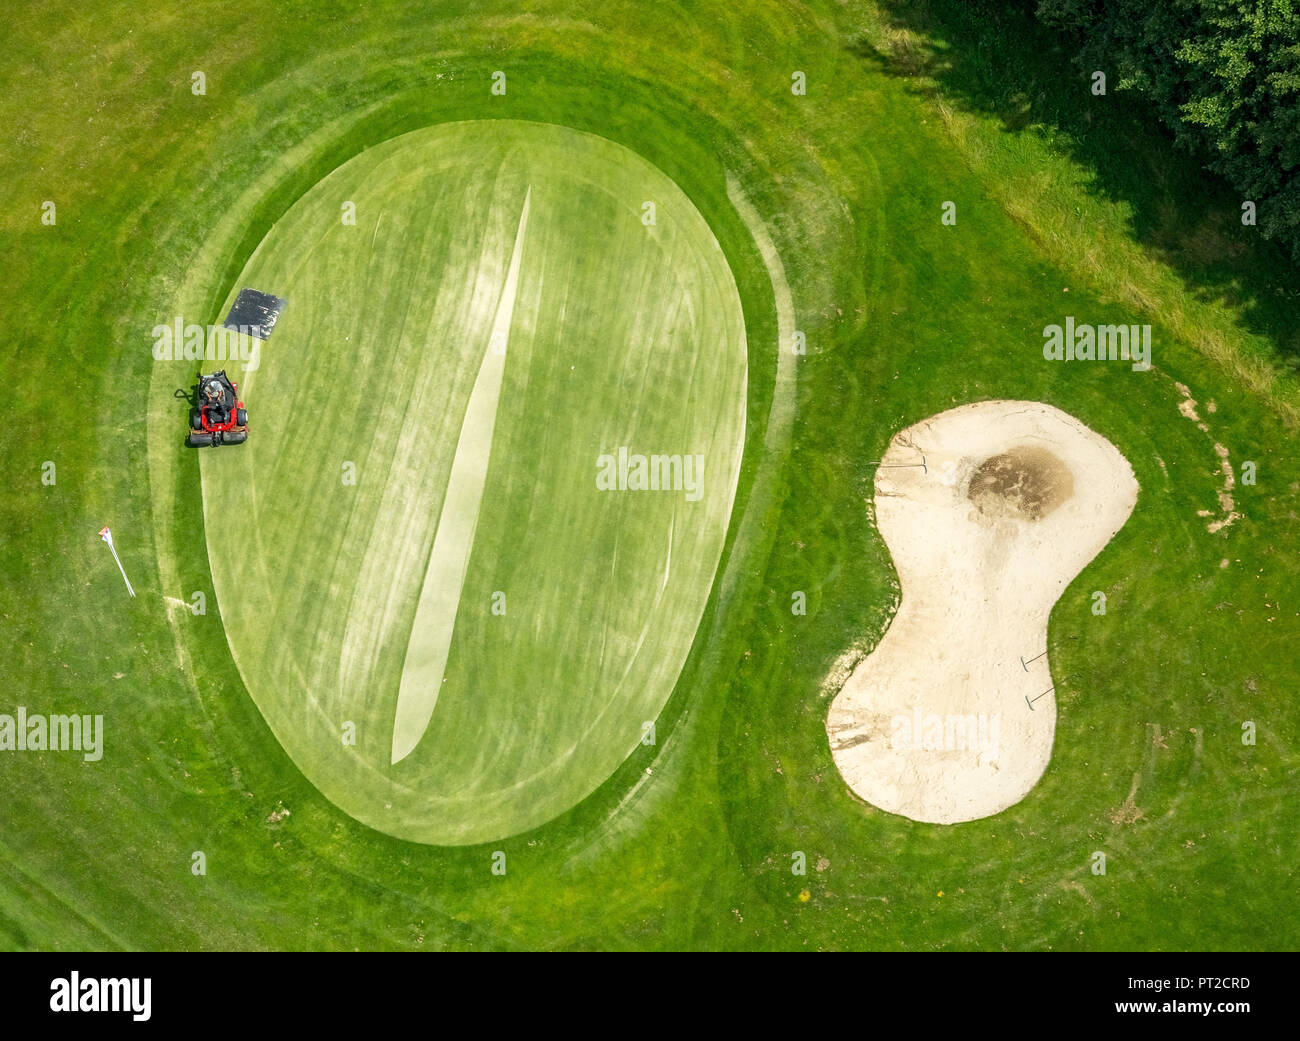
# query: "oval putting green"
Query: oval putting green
494,446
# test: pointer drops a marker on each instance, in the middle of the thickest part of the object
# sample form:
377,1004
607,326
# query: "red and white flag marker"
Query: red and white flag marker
107,536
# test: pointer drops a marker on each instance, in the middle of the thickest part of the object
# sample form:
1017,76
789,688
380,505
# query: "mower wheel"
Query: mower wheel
198,440
241,418
196,419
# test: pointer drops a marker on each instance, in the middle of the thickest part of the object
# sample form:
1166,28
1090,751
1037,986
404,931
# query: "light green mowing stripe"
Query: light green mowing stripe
780,415
781,411
435,619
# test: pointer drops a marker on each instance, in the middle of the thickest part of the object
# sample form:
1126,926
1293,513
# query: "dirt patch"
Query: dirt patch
1128,811
1027,481
1227,506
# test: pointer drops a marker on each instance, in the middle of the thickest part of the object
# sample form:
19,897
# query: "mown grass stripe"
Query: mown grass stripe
435,618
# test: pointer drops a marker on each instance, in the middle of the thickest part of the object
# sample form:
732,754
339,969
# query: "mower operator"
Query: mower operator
217,411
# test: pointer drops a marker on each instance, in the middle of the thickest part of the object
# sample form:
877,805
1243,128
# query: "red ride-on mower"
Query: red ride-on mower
218,416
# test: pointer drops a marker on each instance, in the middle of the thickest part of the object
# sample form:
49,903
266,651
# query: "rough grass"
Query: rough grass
1134,220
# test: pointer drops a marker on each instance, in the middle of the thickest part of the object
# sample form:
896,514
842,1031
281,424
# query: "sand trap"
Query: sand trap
1016,498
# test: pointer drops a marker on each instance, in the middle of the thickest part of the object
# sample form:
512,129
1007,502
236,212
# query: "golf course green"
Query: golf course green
540,654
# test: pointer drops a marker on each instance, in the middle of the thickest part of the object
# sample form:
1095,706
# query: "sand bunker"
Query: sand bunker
1016,497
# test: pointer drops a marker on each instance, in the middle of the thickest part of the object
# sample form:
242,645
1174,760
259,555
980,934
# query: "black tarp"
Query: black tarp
255,312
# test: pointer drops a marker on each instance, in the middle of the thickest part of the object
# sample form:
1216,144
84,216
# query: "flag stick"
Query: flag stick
107,536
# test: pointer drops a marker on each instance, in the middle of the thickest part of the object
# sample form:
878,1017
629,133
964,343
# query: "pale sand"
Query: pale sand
983,550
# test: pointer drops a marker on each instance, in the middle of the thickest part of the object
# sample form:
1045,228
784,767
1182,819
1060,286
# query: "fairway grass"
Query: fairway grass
424,525
827,207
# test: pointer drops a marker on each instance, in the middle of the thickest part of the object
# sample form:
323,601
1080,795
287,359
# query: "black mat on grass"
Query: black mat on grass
255,312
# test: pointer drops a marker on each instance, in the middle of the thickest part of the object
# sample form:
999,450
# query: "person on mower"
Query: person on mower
217,411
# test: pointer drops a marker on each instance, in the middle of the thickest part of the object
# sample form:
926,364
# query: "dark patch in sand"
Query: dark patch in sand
1027,482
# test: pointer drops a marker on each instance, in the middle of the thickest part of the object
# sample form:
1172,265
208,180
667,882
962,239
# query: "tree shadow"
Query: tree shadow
997,59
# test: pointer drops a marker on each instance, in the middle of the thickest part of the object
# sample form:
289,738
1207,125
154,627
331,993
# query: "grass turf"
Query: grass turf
579,605
904,317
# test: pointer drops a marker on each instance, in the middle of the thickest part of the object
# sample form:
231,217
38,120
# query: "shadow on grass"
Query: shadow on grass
996,59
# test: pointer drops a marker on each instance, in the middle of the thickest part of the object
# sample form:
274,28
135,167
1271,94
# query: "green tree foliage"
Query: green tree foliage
1225,77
